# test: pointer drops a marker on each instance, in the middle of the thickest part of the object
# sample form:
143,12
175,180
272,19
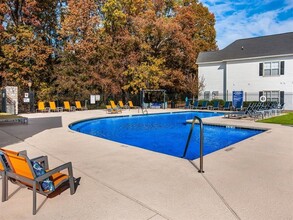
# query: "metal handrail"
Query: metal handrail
200,141
144,110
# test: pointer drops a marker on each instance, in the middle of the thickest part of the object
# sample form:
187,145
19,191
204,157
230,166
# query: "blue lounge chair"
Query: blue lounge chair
216,105
187,104
226,106
195,105
238,106
204,105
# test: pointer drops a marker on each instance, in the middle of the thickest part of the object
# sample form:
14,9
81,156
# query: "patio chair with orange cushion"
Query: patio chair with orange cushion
36,175
2,173
42,108
4,166
54,108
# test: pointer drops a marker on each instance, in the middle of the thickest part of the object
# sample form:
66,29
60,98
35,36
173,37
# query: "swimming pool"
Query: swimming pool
164,133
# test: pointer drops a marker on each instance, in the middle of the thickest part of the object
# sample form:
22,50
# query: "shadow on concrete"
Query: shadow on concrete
12,133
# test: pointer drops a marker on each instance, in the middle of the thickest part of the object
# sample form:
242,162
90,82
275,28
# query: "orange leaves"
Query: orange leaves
106,47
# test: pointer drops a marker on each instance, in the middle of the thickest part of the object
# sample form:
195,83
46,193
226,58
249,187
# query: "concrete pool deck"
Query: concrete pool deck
252,179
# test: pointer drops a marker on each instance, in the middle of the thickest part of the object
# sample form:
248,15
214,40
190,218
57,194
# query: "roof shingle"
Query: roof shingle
279,44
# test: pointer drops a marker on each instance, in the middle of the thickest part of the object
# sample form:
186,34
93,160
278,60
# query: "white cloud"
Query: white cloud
233,24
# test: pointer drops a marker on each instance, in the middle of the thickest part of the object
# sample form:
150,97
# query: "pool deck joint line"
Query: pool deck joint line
252,181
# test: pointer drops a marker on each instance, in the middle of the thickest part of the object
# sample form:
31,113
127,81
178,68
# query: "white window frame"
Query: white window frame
206,95
215,94
269,68
272,95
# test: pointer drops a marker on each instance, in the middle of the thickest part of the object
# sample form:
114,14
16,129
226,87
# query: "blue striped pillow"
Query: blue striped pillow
47,184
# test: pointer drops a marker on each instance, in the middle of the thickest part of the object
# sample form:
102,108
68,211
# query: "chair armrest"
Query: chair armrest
72,108
43,160
56,170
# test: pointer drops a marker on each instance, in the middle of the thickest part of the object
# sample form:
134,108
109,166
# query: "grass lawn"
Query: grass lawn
283,119
8,116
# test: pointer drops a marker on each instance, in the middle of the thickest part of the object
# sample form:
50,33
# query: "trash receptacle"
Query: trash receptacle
172,104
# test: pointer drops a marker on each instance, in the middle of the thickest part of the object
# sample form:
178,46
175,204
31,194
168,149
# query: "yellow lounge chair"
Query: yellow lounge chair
22,172
114,106
110,110
78,106
42,108
122,105
54,108
130,104
67,106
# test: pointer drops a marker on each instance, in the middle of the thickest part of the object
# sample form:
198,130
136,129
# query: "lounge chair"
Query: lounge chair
42,108
187,104
204,105
110,110
250,111
238,106
54,108
35,174
130,104
226,106
67,107
114,106
195,105
216,105
78,106
121,105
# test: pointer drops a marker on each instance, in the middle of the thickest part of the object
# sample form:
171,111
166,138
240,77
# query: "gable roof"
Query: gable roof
279,44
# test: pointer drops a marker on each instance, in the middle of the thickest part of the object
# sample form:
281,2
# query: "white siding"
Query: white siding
213,75
243,75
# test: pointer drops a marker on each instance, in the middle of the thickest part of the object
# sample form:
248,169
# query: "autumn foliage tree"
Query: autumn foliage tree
71,48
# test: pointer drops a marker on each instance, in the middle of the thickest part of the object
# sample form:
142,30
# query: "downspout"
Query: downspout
225,81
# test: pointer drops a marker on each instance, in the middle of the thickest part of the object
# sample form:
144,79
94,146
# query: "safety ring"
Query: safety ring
263,98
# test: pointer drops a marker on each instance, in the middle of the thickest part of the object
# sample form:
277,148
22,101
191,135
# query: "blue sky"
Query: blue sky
238,19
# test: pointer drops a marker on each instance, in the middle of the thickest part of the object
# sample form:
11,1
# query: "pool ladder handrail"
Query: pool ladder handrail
144,110
200,141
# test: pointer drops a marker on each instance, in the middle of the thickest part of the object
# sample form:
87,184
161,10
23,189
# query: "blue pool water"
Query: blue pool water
164,133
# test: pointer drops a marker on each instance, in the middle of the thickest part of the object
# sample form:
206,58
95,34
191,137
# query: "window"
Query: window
272,96
206,95
215,94
271,68
275,68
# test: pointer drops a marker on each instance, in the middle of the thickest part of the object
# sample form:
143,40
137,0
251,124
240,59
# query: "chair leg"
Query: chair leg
71,181
3,188
34,198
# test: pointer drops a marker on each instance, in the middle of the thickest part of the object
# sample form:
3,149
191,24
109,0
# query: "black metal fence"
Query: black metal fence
280,97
